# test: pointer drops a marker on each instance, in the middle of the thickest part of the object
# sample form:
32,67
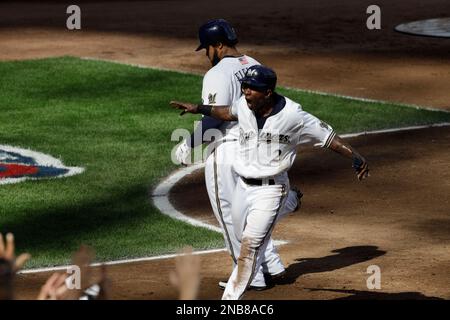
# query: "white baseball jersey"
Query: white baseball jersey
267,148
221,86
272,150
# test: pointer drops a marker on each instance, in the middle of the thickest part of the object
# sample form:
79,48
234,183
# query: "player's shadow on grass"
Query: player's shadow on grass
377,295
345,257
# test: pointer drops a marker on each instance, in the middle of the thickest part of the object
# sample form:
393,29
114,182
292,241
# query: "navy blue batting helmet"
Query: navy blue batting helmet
260,77
215,31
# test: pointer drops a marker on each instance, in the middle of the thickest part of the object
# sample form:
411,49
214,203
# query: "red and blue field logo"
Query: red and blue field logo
17,164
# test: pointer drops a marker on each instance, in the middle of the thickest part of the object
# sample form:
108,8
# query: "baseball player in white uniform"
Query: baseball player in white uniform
221,86
270,129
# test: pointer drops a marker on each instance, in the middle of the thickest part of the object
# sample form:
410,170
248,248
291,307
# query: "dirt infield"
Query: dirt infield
398,219
311,44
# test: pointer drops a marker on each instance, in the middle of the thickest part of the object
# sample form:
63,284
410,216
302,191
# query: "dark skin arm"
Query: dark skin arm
359,163
218,112
338,145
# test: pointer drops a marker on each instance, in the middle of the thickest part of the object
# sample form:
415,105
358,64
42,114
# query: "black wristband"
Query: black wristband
204,109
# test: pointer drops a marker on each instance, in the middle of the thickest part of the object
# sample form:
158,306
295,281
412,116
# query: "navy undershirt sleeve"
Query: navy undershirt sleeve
206,123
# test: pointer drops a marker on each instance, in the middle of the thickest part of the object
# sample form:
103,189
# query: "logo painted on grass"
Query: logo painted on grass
17,165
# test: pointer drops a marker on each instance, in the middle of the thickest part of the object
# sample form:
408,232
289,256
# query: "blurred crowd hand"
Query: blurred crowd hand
186,276
105,285
7,252
57,286
9,265
83,258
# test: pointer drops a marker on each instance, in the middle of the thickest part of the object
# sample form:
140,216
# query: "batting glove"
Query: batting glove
361,167
183,153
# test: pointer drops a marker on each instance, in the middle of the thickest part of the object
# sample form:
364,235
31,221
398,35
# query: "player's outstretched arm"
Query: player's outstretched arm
218,112
359,163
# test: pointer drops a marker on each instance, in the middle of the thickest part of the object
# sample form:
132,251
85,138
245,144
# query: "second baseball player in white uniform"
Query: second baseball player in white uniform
221,86
271,127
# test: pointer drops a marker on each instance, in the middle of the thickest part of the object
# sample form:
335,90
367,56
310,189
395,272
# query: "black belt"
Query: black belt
258,182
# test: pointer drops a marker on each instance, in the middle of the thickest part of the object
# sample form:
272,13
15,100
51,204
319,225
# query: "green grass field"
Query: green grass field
115,121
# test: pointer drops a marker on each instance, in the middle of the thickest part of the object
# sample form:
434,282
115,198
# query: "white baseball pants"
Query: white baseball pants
255,211
221,182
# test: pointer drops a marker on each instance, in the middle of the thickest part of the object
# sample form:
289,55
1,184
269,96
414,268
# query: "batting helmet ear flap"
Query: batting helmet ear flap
269,92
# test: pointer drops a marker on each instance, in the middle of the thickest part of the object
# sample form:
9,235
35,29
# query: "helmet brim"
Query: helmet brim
254,84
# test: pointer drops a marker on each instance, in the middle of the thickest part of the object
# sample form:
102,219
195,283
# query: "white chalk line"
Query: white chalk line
322,93
137,65
125,261
160,195
374,132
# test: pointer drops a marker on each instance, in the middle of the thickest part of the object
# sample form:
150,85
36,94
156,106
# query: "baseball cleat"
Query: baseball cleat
91,293
223,284
274,279
278,275
257,288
